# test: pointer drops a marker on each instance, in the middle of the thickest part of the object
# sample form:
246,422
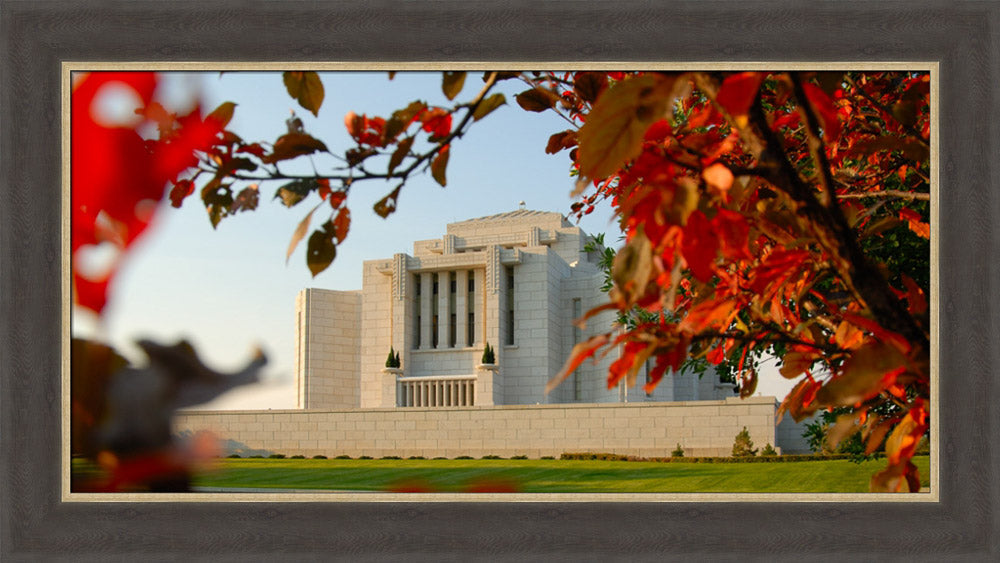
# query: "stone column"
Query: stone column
461,308
478,307
444,315
426,294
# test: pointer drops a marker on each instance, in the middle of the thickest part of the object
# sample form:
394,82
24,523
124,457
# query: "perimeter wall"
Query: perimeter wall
702,428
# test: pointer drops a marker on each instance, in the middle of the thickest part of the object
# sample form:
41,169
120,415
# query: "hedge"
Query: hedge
756,459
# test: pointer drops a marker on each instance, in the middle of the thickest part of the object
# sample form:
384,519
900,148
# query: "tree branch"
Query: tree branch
901,194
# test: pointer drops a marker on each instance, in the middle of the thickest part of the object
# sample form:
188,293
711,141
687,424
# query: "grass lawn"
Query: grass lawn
548,476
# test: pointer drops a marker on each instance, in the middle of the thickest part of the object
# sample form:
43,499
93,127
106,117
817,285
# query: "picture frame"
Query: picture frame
37,38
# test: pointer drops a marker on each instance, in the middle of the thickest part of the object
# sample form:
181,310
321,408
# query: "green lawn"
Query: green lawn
548,476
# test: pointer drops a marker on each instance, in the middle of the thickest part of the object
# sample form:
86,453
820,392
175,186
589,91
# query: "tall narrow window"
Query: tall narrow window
471,325
434,312
510,306
416,316
577,336
453,319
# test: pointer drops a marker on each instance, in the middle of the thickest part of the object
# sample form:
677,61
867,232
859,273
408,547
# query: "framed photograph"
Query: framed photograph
41,520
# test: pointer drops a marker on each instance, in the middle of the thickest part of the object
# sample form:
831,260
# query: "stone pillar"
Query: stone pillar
401,323
426,294
444,315
478,307
461,308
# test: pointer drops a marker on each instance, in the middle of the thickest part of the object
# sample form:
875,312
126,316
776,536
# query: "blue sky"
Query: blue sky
229,289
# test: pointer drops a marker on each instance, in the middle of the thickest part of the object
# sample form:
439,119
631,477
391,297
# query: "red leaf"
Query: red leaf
733,232
656,374
699,246
826,109
341,224
437,122
115,172
738,91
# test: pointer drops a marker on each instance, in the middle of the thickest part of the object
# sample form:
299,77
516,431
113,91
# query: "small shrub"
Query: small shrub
679,452
743,445
344,456
518,457
233,456
364,457
391,457
464,457
417,457
923,446
546,457
321,456
489,357
276,456
491,457
768,451
440,457
298,456
393,360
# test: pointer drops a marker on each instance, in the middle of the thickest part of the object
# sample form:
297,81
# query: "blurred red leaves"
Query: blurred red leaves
117,177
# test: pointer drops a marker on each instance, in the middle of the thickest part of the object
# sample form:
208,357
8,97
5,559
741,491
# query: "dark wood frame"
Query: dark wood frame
37,36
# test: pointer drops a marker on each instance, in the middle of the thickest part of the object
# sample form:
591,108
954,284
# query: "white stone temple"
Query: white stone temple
515,280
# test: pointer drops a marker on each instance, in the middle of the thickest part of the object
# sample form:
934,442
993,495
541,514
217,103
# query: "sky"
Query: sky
228,290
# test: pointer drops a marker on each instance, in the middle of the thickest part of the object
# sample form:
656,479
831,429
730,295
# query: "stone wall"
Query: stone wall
327,345
645,429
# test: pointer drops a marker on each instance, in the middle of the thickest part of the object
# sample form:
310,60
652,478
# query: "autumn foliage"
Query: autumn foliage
765,214
760,211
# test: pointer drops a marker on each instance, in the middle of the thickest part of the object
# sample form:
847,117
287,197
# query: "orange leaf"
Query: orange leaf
869,370
656,374
633,267
387,205
307,89
634,355
439,165
299,234
718,177
536,99
916,225
748,383
341,224
800,400
580,352
915,298
291,145
399,154
903,440
876,329
715,313
848,336
614,130
793,364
